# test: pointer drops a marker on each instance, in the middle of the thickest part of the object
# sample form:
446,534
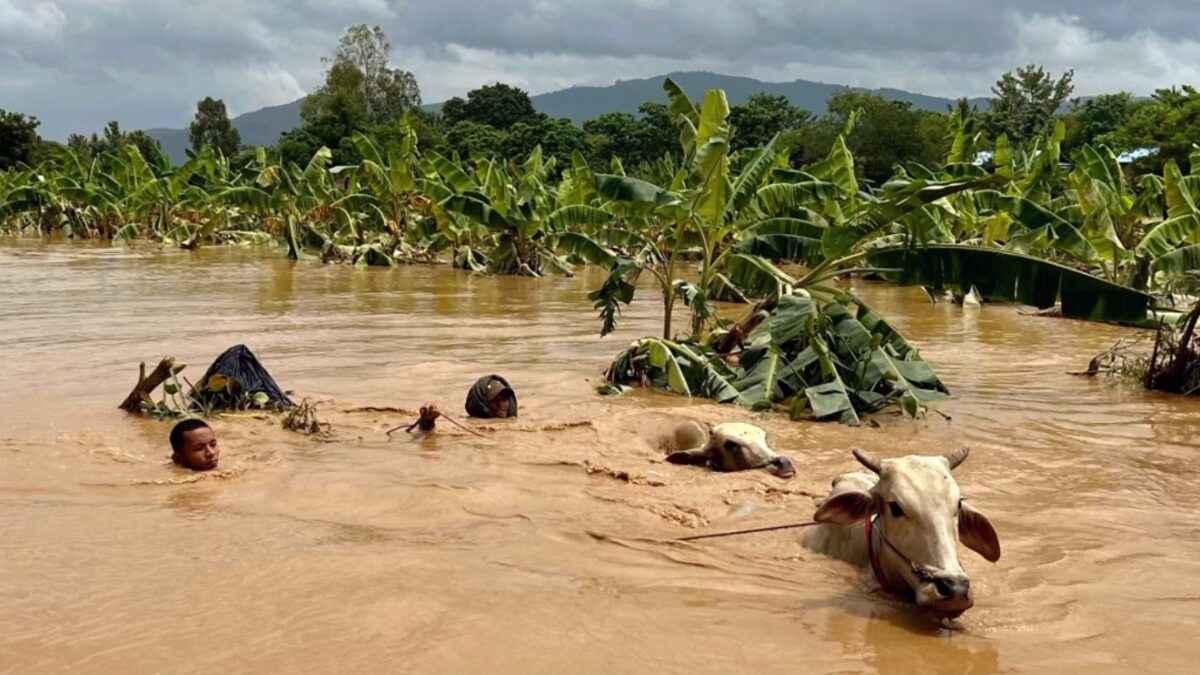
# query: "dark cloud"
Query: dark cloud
78,63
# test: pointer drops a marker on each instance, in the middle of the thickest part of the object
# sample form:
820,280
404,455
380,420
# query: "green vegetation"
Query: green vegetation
19,141
759,203
211,126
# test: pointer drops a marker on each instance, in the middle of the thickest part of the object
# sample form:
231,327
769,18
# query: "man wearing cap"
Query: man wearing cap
491,396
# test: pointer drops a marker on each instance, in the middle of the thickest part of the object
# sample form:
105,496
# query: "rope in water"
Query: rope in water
713,535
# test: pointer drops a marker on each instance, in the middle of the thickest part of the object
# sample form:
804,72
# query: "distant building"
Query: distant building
1131,156
341,181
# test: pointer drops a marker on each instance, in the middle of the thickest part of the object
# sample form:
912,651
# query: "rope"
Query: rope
467,429
713,535
429,414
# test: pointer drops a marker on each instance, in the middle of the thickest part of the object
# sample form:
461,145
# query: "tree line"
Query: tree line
363,94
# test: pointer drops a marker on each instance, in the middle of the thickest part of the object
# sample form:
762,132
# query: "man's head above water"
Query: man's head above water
194,445
491,396
498,398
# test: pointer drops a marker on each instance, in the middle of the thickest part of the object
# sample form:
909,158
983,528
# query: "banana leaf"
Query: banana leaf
824,360
1011,277
797,249
633,190
477,210
782,199
837,168
451,173
577,217
1179,261
751,177
760,374
753,276
585,248
1168,235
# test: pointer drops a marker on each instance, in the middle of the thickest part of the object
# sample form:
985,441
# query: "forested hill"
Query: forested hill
263,127
581,103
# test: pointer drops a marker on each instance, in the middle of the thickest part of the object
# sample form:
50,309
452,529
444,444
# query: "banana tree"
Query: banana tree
805,346
698,217
524,217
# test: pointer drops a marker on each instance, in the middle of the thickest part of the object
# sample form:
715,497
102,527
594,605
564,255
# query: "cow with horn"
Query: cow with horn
903,519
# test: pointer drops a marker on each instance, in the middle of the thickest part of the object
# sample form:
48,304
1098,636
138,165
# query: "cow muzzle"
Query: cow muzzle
947,596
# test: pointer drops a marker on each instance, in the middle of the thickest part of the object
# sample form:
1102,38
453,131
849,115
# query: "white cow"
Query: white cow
903,520
732,446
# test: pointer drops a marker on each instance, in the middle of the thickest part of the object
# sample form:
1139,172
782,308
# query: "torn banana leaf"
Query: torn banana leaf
836,360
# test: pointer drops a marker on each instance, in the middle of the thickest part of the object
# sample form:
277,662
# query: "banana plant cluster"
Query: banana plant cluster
832,360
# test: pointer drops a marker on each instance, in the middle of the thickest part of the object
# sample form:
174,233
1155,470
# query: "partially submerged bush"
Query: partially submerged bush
303,419
829,361
1172,364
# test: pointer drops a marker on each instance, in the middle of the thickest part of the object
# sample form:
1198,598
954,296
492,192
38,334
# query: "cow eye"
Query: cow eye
897,512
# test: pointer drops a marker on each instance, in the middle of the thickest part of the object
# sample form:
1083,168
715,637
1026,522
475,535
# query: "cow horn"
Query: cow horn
957,457
866,460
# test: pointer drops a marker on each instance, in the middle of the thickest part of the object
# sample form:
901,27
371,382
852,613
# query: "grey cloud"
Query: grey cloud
78,63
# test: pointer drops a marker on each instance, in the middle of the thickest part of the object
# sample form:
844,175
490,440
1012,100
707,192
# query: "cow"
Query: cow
732,446
902,519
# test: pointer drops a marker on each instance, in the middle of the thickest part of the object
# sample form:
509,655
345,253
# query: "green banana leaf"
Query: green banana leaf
477,210
583,247
1012,277
633,190
822,360
1179,261
783,199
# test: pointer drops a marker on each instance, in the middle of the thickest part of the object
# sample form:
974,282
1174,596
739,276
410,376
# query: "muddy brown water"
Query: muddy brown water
534,549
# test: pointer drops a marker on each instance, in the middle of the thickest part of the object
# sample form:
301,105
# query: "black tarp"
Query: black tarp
239,365
477,402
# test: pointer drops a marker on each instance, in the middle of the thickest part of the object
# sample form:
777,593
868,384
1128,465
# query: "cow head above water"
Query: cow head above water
920,513
732,446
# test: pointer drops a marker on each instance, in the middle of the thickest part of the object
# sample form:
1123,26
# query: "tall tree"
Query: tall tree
454,110
386,92
886,133
614,134
19,141
659,135
558,138
472,138
499,105
112,140
757,120
211,126
330,119
1024,101
1170,122
1097,121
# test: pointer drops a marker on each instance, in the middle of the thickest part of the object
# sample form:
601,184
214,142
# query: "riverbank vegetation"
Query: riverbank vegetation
760,204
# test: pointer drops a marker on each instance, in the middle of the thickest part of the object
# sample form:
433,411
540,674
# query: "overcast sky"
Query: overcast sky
77,63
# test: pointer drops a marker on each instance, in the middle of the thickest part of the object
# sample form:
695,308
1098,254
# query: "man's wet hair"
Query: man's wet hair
190,424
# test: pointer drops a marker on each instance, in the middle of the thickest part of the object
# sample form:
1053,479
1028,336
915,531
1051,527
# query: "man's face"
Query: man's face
200,451
499,406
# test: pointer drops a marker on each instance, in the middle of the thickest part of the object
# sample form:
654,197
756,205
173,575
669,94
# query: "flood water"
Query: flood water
537,549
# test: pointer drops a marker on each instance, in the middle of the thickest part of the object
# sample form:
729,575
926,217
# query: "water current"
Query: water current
539,547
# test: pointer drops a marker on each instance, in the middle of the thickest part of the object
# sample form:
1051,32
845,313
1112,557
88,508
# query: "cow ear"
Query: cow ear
975,531
845,508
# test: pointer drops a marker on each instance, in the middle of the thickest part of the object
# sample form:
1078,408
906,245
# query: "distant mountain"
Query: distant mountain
258,127
263,127
582,103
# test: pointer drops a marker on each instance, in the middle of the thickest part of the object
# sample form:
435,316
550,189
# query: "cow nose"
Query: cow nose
953,587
